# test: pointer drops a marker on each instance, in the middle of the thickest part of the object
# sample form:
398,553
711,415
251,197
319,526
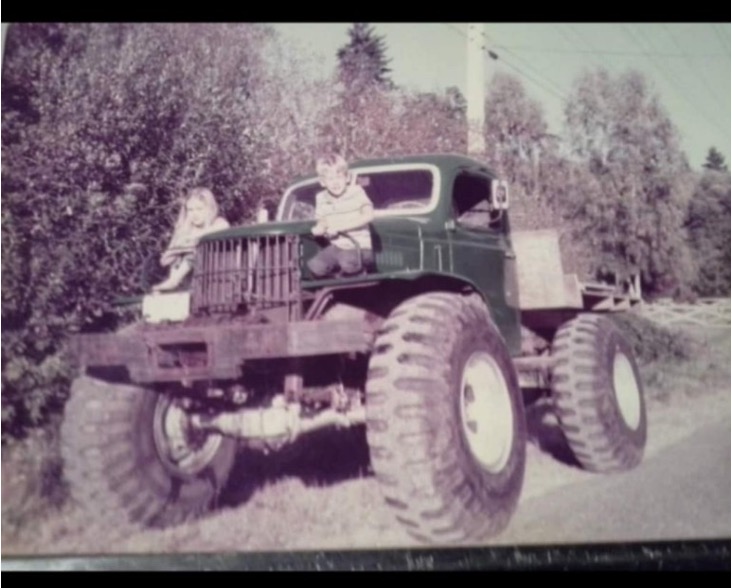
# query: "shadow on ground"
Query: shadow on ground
331,456
321,458
544,432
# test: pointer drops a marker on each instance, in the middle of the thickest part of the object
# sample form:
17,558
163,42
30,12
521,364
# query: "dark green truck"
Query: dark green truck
434,348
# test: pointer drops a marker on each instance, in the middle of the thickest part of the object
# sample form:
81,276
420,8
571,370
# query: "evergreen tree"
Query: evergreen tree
715,161
362,62
708,221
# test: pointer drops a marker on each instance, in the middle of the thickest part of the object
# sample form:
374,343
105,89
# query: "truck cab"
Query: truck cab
441,218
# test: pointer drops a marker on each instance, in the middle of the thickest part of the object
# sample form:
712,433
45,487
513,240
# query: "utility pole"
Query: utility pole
4,31
476,89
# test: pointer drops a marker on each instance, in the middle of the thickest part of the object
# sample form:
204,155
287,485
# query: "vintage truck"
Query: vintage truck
433,347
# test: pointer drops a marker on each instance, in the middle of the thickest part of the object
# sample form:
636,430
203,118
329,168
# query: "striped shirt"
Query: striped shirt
350,203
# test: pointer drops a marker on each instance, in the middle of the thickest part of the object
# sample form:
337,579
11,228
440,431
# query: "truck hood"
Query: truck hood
263,229
405,224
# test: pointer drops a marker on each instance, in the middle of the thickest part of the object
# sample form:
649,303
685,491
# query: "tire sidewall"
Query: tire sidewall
613,342
482,336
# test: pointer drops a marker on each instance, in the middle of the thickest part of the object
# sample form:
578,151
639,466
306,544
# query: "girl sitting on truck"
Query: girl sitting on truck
198,216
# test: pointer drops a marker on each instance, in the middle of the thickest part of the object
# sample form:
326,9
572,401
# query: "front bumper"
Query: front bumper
215,351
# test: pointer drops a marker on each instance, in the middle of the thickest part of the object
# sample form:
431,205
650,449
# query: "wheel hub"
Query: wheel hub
486,411
181,448
626,389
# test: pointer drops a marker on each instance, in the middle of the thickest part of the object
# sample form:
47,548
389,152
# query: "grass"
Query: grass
33,487
706,371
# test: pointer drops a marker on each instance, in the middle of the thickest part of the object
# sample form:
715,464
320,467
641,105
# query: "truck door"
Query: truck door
480,250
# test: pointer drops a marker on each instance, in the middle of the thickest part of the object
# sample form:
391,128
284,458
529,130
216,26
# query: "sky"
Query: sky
688,64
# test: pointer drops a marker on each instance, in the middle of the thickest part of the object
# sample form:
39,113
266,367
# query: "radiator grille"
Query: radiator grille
247,273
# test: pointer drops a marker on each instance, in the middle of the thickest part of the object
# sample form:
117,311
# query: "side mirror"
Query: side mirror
499,195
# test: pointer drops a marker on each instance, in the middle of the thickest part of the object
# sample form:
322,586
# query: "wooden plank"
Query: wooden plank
622,303
604,304
543,284
572,291
600,289
539,271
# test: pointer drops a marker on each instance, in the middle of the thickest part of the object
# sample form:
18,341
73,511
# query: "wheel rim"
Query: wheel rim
486,411
627,391
182,449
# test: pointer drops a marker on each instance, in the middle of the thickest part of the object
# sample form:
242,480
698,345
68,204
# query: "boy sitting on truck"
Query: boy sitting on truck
343,212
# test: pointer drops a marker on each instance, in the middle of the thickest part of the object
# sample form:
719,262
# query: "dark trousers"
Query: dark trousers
332,259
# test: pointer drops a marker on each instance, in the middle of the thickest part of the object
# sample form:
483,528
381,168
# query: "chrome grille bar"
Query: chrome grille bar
248,274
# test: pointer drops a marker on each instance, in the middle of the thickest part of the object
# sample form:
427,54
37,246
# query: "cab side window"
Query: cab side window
471,201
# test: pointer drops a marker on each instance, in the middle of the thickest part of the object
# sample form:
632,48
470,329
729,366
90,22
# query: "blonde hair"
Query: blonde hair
203,195
331,161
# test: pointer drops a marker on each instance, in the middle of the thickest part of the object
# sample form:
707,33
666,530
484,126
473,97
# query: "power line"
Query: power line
583,40
722,43
650,55
531,67
713,124
559,95
654,62
695,70
617,53
522,73
494,55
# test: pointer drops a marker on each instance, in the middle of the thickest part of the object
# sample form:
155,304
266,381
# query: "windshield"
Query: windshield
391,191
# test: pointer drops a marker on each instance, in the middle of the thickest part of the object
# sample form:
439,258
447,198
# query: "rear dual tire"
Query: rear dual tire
598,394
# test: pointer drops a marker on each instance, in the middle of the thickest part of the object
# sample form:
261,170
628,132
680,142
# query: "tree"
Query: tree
429,122
518,144
359,105
515,128
362,62
715,161
708,221
291,106
520,148
103,128
633,215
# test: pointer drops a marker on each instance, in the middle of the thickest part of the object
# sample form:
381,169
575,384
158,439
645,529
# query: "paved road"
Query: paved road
682,492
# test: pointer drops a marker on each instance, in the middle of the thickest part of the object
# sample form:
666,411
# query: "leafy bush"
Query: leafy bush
653,342
104,127
708,222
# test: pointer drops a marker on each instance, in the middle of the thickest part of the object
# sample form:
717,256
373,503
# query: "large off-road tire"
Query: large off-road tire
598,395
445,419
129,456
